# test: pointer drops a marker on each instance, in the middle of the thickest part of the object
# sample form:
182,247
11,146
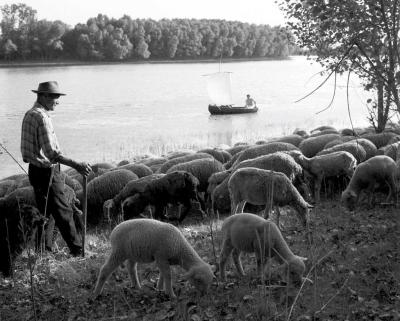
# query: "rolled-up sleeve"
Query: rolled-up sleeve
48,140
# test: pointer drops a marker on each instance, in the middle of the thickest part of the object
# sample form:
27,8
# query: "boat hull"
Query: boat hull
229,110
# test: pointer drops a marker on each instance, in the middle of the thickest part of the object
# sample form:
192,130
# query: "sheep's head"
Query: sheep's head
349,200
133,206
293,270
200,276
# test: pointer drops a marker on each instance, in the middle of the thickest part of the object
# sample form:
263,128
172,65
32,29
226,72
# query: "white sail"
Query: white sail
219,88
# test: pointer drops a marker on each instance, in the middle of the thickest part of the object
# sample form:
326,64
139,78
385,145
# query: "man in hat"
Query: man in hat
40,148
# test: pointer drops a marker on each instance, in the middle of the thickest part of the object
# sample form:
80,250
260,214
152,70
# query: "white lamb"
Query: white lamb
148,240
376,170
265,187
329,165
251,233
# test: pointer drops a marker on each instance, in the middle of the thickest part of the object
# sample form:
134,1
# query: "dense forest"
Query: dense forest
24,37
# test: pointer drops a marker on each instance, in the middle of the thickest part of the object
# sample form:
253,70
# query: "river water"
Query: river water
116,111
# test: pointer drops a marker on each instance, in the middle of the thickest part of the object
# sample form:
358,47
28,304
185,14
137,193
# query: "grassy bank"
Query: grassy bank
353,263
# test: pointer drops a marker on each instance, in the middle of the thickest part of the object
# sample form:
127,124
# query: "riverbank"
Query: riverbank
25,64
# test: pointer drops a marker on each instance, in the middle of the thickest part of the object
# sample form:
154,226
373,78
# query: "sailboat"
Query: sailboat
220,93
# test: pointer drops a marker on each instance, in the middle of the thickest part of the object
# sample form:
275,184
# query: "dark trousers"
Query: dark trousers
57,205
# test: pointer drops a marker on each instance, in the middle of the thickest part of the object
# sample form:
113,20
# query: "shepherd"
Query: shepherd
40,148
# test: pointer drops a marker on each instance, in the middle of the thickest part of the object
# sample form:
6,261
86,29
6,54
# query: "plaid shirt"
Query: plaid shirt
39,144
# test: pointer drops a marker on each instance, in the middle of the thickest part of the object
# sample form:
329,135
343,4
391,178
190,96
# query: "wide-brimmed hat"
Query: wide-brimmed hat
48,87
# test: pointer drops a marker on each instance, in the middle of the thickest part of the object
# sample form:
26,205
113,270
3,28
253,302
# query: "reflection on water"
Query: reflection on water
113,112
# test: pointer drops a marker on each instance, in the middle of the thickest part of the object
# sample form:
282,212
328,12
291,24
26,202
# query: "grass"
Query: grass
353,262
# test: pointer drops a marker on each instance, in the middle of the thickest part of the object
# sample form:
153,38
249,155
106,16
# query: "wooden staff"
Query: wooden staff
84,211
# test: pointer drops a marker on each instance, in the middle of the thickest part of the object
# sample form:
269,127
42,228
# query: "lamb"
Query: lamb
173,188
265,187
146,241
265,149
112,207
102,188
379,169
330,165
312,145
183,159
251,233
353,147
17,230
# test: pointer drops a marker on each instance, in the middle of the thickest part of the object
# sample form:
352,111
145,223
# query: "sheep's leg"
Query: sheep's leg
233,205
237,261
132,269
165,274
111,264
317,189
241,206
225,253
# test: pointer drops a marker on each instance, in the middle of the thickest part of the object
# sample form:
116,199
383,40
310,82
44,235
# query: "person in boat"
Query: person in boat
40,148
250,102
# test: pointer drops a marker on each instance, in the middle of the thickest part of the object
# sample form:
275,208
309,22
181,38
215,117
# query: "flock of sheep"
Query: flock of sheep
238,180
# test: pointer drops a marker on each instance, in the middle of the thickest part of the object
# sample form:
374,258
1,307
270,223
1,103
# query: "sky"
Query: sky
79,11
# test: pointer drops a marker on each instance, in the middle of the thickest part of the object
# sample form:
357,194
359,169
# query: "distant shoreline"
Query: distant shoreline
24,64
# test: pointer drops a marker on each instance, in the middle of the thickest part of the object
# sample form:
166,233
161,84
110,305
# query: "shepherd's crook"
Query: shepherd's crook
84,210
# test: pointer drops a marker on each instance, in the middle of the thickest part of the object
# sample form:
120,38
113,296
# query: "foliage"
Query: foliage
359,36
102,38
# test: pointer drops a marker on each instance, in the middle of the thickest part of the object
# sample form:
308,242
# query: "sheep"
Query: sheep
183,159
251,233
215,179
232,161
202,169
236,149
293,139
265,187
390,150
219,154
330,165
173,188
380,139
140,170
339,141
112,207
146,241
322,128
352,147
348,132
220,199
379,169
324,132
301,132
11,204
265,149
312,145
179,153
102,188
7,186
17,230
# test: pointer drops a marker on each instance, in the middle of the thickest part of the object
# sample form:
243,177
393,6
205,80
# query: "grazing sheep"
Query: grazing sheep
390,150
220,199
265,149
376,170
251,233
17,230
183,159
330,165
312,145
7,186
294,139
353,147
202,169
219,154
140,170
215,179
173,188
146,241
112,207
103,188
237,149
380,139
265,187
10,205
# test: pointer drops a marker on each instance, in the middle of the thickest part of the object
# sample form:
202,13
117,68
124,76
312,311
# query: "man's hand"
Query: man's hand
83,168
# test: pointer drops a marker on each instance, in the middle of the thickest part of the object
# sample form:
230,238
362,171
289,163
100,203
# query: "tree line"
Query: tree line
24,37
